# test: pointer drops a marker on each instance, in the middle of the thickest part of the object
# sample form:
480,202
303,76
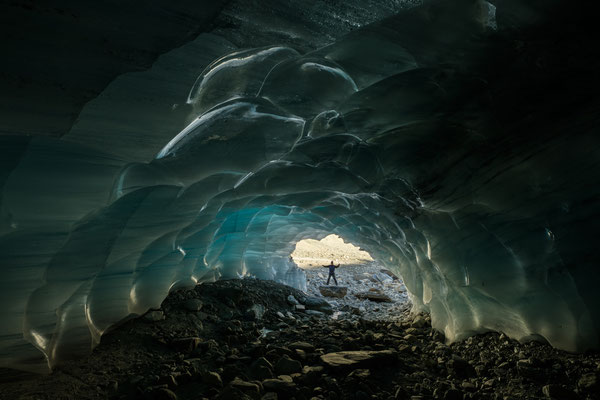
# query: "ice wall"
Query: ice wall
452,153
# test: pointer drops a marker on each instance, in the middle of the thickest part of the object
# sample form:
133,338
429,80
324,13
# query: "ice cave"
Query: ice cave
156,146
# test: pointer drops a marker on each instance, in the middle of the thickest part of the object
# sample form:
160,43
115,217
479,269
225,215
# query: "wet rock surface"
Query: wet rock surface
220,351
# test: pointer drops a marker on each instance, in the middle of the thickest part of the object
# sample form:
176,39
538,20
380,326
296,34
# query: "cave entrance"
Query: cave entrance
365,288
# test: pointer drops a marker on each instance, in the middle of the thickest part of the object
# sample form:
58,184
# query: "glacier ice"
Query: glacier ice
399,137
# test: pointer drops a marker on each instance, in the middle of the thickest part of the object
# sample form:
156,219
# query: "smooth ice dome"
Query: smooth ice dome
427,136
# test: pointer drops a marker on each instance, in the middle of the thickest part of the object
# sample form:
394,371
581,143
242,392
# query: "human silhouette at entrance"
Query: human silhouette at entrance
331,272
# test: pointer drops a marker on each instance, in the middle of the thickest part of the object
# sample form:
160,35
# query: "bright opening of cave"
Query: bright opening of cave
362,287
311,253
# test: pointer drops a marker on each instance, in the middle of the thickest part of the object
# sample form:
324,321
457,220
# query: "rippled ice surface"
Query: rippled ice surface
388,137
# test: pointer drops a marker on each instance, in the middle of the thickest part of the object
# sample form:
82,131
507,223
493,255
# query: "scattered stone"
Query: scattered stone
360,374
154,316
390,274
315,313
307,347
278,385
292,300
460,368
318,304
246,387
453,394
419,322
193,305
589,383
300,307
164,394
261,369
287,366
557,392
212,378
187,344
342,357
375,295
358,358
168,380
255,312
333,291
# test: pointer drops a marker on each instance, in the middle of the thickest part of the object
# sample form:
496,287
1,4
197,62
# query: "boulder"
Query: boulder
278,385
287,366
154,316
359,358
589,383
419,322
389,273
315,313
318,304
192,305
261,369
212,379
375,295
164,394
186,344
555,392
307,347
333,291
245,387
255,312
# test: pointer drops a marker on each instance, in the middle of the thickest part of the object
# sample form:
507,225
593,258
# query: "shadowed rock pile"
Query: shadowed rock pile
252,339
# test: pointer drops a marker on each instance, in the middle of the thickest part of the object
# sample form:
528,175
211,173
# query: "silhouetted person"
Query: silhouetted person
331,272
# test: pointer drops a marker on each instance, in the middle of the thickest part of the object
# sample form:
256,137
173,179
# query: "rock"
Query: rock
453,394
261,369
460,368
400,394
231,393
287,366
375,295
315,313
164,394
360,374
168,380
307,347
269,396
278,385
292,300
333,291
382,278
589,383
358,358
419,322
527,368
389,273
318,304
246,387
557,392
300,307
154,316
193,305
255,312
187,344
212,379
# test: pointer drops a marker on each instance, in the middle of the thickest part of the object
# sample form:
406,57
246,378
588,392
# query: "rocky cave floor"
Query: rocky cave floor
246,339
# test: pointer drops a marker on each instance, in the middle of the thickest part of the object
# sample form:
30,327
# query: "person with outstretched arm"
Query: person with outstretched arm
331,272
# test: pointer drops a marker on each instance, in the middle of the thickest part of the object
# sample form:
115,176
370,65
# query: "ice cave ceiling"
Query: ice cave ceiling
151,146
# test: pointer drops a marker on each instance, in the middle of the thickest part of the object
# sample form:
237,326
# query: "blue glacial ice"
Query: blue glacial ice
387,137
